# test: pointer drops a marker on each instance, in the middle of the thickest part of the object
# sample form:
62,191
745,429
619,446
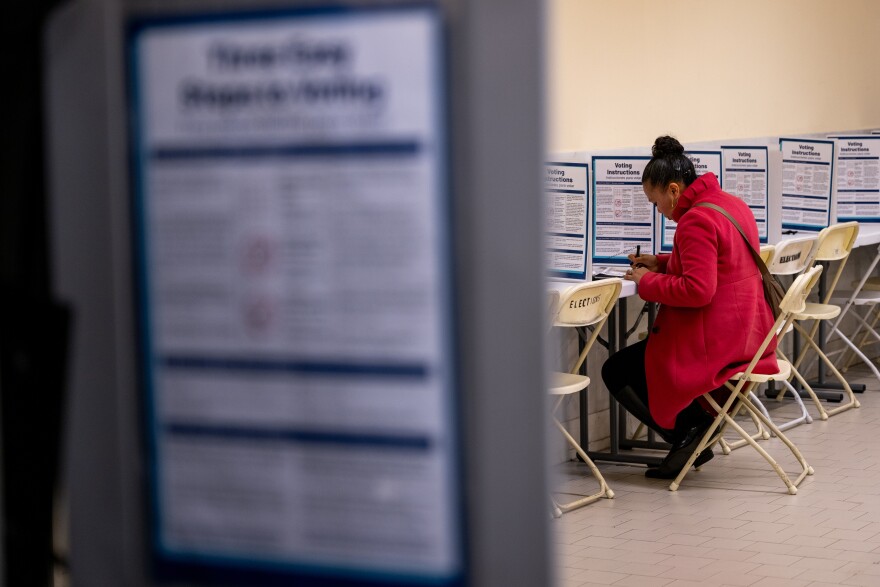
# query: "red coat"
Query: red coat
713,316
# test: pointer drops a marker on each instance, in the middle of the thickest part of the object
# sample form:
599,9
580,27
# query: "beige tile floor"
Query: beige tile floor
733,522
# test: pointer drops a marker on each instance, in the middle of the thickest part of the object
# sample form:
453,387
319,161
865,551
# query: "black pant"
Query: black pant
624,376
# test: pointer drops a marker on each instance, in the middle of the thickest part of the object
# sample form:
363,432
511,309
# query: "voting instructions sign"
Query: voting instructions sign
294,272
566,194
858,178
807,183
622,217
704,162
746,175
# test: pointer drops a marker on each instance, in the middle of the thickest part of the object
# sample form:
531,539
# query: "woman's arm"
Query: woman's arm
696,243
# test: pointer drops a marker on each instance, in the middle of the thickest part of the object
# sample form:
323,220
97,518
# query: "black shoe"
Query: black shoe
680,453
704,457
662,472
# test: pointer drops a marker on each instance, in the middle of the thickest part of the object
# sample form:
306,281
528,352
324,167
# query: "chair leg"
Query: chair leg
806,468
856,350
554,508
638,431
805,415
761,434
850,356
604,489
790,485
823,415
853,402
710,435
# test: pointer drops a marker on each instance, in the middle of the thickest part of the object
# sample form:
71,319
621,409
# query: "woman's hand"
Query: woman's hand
649,262
636,273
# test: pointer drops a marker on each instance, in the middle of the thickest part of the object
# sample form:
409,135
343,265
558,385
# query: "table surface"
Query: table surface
869,234
628,289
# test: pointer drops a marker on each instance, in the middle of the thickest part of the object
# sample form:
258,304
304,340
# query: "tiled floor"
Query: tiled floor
733,522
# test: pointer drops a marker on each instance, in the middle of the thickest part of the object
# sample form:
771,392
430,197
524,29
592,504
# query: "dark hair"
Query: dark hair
668,164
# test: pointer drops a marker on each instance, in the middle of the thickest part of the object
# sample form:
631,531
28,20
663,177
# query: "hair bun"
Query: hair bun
666,146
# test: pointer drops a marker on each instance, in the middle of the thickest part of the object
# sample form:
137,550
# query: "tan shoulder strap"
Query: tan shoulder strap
755,255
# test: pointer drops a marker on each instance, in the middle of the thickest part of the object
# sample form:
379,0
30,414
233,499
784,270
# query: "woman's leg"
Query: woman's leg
624,376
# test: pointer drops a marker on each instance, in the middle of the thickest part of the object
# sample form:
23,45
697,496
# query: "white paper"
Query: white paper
293,208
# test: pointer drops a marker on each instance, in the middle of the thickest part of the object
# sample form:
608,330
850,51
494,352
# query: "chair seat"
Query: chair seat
565,383
865,297
784,372
814,311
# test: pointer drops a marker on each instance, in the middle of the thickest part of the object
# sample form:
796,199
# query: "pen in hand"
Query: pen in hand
637,255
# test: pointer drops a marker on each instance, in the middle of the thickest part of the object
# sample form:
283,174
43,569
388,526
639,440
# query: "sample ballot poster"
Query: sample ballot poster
291,206
622,217
807,174
566,191
858,178
704,162
746,171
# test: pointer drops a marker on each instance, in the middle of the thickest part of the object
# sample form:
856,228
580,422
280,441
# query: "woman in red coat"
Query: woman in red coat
712,317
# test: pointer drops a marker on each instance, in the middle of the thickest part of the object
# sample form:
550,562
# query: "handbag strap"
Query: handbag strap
758,260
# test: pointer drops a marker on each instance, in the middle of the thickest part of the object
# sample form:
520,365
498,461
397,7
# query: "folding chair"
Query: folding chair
834,243
865,293
792,257
587,304
788,257
872,321
766,253
793,303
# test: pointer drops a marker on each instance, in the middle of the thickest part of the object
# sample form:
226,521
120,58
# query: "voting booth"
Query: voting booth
280,258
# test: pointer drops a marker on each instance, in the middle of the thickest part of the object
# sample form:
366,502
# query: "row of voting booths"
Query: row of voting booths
597,214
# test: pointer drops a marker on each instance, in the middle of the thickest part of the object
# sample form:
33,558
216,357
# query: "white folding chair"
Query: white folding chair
865,294
582,305
766,253
834,243
788,257
791,258
793,302
871,324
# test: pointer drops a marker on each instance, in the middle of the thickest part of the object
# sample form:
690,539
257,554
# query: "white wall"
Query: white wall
621,73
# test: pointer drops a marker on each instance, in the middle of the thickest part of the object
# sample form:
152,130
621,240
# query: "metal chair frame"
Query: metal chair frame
579,306
793,302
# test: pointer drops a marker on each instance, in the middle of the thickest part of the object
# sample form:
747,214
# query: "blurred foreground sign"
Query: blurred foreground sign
294,278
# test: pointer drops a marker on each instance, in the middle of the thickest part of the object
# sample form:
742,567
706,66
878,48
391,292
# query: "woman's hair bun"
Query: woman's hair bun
665,146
